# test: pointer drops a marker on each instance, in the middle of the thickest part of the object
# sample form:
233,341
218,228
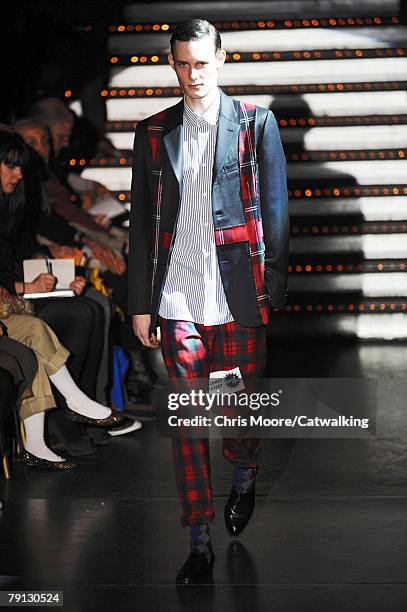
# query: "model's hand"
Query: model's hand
141,327
41,284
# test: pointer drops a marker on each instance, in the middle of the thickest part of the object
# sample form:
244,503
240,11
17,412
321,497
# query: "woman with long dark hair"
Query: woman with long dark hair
80,328
28,329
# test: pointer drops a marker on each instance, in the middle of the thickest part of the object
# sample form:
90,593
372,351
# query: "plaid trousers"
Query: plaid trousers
191,351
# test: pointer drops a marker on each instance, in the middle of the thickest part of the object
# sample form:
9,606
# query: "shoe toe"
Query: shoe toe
238,511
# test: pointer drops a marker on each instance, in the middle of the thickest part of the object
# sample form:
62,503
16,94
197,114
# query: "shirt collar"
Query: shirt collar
210,117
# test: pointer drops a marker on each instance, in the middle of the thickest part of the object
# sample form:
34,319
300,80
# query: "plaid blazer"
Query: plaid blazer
249,203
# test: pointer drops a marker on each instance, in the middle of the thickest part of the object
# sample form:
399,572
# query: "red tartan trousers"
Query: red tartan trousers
192,351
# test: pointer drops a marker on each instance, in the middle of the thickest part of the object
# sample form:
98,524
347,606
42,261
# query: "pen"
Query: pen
49,266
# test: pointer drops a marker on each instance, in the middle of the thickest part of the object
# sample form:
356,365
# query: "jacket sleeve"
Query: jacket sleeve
274,206
140,230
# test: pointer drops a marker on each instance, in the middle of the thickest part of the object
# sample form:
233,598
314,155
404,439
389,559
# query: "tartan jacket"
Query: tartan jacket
249,204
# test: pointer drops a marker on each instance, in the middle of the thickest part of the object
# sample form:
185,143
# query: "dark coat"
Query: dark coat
157,175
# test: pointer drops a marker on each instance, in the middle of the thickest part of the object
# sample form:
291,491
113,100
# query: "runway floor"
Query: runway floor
328,533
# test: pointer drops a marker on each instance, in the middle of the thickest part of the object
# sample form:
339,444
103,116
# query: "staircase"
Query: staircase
335,75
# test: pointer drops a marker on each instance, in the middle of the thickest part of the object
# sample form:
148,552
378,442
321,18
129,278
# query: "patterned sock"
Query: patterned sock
201,539
244,479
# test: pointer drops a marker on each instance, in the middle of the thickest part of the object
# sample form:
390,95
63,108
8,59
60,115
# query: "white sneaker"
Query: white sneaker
119,431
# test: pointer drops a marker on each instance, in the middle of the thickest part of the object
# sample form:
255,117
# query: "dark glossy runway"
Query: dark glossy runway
328,533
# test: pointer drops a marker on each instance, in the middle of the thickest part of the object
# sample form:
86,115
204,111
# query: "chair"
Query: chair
8,397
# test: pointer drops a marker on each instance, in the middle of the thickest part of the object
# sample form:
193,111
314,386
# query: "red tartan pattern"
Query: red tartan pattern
231,234
248,166
190,352
166,238
251,232
154,136
155,139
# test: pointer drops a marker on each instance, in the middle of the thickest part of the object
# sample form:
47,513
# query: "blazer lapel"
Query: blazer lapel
228,129
173,138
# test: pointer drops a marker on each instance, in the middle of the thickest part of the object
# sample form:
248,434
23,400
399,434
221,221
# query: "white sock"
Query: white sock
75,398
34,438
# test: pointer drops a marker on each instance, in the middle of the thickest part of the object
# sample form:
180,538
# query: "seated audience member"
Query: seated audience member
82,327
57,196
8,387
85,337
20,362
59,120
51,357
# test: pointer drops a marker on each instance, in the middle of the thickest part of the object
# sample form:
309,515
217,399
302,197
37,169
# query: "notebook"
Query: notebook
63,269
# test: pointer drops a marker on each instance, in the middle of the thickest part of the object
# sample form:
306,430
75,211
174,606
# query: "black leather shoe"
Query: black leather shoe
196,569
239,509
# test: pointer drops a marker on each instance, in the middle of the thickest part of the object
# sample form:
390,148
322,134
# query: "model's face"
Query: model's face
61,135
196,66
37,139
10,176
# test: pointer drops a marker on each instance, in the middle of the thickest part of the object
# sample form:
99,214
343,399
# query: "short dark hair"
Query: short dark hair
195,29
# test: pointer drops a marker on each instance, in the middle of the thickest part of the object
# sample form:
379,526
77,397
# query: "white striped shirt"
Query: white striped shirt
193,289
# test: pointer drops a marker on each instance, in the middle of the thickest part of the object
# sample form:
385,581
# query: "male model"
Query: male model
208,259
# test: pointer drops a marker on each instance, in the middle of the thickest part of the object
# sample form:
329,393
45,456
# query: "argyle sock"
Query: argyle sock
201,539
244,479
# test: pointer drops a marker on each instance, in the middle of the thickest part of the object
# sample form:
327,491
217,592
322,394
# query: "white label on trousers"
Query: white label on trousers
226,381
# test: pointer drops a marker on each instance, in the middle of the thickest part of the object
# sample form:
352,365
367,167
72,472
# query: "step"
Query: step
389,327
295,154
350,225
342,263
371,209
338,173
256,9
392,284
275,40
330,191
291,118
359,86
376,246
351,172
272,73
335,104
270,56
346,138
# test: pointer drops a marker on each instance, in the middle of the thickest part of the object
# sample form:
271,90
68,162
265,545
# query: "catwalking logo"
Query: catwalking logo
202,399
303,420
